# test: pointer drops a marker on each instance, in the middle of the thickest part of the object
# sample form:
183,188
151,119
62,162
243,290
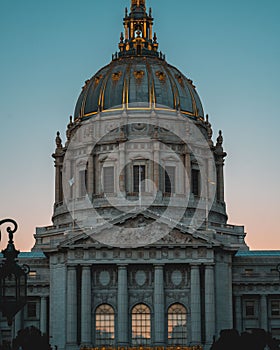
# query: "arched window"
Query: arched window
141,325
177,325
104,325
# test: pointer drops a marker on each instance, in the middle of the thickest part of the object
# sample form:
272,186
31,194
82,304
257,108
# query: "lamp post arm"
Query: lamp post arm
10,230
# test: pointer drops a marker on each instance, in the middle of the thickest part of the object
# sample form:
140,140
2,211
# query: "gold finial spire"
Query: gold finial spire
138,3
138,37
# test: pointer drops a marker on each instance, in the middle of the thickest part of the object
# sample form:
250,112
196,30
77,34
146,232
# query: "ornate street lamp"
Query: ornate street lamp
13,278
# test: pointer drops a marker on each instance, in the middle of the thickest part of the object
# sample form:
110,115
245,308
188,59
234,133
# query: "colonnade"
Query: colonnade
195,317
123,181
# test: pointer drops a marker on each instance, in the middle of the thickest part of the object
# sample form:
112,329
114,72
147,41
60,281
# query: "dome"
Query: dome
138,76
140,82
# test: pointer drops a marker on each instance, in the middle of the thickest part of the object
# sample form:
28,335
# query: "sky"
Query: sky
230,49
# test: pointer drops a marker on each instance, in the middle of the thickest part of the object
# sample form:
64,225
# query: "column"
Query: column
71,318
43,315
195,304
220,180
121,173
122,306
209,304
159,323
156,165
264,323
238,313
151,31
90,177
58,180
86,306
187,173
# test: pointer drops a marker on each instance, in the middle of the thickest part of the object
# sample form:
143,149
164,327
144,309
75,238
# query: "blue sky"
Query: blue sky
230,49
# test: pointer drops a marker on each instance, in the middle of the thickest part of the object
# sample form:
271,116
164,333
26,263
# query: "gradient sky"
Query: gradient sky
230,49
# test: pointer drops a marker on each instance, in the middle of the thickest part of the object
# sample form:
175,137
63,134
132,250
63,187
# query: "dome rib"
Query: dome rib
138,83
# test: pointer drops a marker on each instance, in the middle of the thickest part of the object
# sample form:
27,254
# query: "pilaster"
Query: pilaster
122,324
86,306
43,315
264,318
195,305
158,306
71,308
209,304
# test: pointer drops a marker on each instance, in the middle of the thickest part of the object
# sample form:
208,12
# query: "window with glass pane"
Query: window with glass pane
141,325
177,325
250,308
195,182
275,307
139,174
83,182
169,183
104,325
31,309
108,179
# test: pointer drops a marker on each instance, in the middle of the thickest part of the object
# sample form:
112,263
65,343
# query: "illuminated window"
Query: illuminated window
177,325
249,272
139,175
32,274
169,183
275,308
104,325
141,325
108,179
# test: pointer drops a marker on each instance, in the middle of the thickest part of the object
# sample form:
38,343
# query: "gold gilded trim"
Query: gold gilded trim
103,88
174,88
139,74
140,109
161,76
116,76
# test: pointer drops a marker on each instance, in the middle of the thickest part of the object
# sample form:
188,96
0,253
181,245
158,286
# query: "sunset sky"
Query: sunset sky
230,49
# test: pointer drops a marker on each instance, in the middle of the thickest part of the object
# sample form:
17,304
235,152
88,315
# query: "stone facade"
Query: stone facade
140,252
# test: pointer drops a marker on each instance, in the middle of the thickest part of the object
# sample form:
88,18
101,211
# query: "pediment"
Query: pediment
137,230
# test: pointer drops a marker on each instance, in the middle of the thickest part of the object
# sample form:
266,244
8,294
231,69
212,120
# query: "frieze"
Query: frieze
143,296
202,253
176,296
104,297
140,277
256,289
112,127
176,277
92,254
177,237
79,254
104,277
